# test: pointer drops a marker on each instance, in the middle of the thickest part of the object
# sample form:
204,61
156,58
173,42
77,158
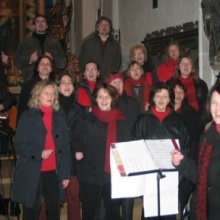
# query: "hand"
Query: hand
1,107
79,155
4,58
146,107
46,153
48,54
33,57
176,157
65,183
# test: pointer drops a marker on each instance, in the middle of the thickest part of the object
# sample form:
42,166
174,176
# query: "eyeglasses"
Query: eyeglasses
91,69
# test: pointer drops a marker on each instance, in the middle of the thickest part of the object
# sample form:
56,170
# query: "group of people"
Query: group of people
65,128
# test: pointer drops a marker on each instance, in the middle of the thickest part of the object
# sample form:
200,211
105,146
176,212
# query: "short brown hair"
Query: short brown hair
112,91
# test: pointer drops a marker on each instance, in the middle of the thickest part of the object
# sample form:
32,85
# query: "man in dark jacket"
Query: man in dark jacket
101,48
37,45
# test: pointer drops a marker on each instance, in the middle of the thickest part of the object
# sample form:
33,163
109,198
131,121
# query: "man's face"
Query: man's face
103,28
40,25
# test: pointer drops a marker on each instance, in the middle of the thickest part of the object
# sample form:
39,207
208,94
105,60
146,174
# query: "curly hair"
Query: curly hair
38,89
138,47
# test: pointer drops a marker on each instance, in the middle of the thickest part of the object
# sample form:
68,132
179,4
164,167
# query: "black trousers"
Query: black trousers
49,189
91,198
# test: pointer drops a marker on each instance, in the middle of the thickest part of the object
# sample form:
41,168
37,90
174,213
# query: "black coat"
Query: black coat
94,145
74,116
107,56
149,127
191,120
131,109
189,170
29,144
201,92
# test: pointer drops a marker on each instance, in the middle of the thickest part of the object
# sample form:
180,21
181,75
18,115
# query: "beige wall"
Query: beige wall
139,18
136,18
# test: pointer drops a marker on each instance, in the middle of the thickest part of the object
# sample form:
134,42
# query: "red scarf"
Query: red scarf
201,199
129,83
166,70
50,162
160,115
111,118
218,128
191,91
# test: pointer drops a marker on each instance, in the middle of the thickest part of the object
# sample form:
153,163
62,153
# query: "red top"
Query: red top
50,162
160,115
191,91
83,97
166,70
148,79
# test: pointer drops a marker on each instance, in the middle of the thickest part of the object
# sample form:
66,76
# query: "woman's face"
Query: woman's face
174,52
179,95
66,87
135,72
91,72
215,107
104,100
185,67
47,96
44,68
161,100
118,84
138,56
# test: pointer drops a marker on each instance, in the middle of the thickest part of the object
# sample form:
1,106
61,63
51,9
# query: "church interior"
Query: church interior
152,23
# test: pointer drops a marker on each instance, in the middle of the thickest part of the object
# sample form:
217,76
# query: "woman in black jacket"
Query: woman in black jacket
42,145
161,121
104,125
205,200
74,115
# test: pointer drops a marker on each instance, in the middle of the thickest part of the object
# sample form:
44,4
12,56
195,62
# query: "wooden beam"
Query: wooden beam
41,7
21,19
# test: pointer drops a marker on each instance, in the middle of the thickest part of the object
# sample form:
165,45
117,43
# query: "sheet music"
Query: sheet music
134,155
146,185
125,186
145,155
160,152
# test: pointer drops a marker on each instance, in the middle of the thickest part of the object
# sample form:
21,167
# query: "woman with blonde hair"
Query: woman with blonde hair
42,145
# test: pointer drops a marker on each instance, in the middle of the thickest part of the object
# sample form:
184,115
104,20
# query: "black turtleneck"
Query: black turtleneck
66,102
41,38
